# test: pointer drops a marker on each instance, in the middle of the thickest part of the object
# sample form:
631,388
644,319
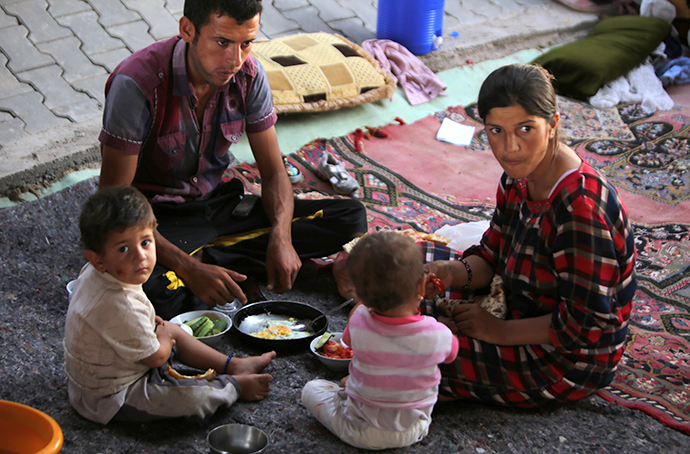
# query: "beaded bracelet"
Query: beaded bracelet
225,369
469,272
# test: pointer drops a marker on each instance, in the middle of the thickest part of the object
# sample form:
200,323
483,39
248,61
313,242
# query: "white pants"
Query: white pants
323,400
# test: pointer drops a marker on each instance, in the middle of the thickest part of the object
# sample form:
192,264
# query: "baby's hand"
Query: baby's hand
164,334
449,323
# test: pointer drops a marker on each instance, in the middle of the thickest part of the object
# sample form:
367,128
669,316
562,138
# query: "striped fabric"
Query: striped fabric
572,256
396,364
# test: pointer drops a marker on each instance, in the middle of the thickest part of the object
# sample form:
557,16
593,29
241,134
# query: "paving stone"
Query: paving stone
21,52
450,23
366,12
60,97
59,8
11,128
6,20
94,87
9,85
330,10
274,24
30,107
532,3
79,111
462,14
111,58
176,8
134,34
353,29
113,12
286,5
71,59
94,38
42,27
309,20
162,24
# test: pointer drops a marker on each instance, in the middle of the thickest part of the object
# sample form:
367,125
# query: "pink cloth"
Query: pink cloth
419,82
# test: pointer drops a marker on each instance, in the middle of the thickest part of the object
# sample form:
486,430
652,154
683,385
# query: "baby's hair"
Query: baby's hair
113,209
386,268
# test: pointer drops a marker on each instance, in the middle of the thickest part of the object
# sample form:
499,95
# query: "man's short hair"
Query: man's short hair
199,11
113,209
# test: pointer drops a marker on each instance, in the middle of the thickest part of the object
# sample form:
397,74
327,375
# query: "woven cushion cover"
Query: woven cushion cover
311,72
612,48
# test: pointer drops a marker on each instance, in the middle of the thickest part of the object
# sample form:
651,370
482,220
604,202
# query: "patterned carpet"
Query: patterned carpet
646,157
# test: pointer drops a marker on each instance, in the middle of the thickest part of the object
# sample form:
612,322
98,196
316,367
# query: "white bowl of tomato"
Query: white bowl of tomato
333,353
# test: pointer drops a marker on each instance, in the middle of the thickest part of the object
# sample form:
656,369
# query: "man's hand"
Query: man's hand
282,266
213,284
282,261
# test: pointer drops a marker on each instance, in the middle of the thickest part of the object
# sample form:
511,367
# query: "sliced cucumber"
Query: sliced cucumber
322,340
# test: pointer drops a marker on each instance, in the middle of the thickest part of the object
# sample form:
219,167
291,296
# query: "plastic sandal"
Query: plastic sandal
332,170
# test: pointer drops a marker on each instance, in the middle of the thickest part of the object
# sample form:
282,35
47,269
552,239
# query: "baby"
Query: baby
117,349
387,400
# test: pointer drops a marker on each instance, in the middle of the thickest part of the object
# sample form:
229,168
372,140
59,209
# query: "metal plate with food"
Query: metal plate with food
268,324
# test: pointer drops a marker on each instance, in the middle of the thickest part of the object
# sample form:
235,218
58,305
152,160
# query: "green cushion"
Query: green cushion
611,49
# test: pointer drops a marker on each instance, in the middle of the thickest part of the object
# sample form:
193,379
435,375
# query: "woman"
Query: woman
562,244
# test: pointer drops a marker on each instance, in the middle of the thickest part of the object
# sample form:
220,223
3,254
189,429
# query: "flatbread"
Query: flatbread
417,236
208,375
494,303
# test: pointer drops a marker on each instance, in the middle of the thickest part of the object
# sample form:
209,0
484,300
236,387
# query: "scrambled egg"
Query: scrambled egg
274,327
274,332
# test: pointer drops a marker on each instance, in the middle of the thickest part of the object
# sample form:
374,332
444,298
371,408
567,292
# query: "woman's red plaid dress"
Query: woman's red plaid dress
573,256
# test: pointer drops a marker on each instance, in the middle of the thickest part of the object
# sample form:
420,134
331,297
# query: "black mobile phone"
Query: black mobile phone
245,206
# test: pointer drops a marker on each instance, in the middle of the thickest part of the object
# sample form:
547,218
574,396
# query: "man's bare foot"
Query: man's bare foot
254,386
250,365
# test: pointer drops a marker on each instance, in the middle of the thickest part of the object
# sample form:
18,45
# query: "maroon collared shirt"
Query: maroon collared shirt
151,111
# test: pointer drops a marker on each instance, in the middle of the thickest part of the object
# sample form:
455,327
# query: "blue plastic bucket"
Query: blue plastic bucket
412,23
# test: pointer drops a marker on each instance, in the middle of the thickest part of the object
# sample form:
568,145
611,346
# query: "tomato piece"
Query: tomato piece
438,283
347,353
333,348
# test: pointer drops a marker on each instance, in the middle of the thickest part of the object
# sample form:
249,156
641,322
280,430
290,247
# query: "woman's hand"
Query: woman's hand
473,321
440,270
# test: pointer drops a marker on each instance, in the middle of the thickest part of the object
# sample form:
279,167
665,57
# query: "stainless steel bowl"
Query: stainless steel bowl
237,439
287,308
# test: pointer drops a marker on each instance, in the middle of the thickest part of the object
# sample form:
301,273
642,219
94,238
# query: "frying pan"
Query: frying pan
286,308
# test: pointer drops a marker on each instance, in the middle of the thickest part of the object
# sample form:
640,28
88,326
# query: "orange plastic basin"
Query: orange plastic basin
25,430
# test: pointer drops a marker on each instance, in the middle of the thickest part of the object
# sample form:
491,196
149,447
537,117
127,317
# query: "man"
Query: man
172,111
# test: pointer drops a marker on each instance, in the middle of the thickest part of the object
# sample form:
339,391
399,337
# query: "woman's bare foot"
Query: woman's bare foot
250,365
254,386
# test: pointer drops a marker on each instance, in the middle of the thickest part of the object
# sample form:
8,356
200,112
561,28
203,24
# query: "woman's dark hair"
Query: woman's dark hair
529,86
113,209
199,11
386,268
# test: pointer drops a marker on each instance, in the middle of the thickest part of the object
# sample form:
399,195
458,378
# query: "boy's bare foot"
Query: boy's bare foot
254,386
250,365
